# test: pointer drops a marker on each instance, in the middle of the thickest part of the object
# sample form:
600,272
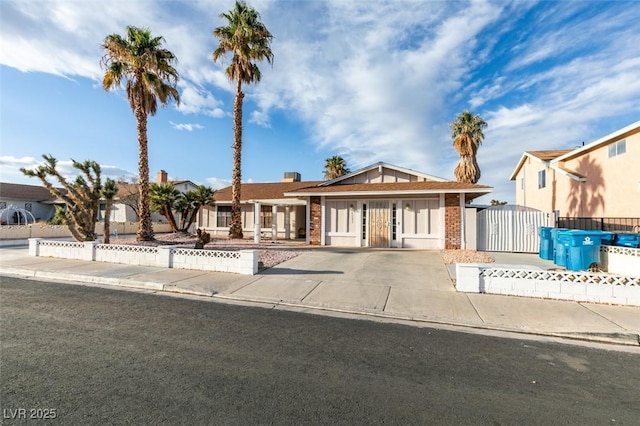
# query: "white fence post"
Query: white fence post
165,256
34,246
248,262
88,252
468,277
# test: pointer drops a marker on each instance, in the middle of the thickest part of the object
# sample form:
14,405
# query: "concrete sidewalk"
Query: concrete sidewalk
392,284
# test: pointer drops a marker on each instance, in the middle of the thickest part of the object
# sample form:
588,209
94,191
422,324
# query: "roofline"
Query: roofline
597,143
393,192
381,164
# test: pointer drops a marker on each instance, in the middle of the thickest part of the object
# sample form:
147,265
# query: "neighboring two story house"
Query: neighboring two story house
599,179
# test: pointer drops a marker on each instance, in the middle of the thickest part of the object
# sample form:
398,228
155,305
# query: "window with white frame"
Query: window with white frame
617,148
266,216
223,217
542,179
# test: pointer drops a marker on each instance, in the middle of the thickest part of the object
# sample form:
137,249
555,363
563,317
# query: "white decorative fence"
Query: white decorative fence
567,285
620,260
242,262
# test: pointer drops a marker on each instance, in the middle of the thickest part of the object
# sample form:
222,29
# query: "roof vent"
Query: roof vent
291,177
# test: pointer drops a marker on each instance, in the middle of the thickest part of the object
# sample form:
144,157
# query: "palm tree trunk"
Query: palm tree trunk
168,213
145,232
107,223
235,230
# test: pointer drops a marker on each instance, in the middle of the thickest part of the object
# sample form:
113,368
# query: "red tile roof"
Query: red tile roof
429,186
263,191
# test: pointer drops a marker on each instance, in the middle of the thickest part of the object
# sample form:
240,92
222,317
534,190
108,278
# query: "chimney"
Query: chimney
291,177
161,177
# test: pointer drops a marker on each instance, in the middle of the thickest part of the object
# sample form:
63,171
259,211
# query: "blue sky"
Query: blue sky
368,80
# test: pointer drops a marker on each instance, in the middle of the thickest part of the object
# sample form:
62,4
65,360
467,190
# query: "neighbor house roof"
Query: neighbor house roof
541,156
18,191
610,138
262,191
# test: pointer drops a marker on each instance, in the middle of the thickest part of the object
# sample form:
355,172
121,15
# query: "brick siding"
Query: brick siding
315,222
452,221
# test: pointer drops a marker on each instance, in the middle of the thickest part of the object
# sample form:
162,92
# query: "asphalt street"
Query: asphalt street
88,355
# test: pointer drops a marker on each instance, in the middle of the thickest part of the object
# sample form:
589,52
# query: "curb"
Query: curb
624,339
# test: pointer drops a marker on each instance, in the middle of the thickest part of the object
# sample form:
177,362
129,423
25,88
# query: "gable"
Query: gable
382,173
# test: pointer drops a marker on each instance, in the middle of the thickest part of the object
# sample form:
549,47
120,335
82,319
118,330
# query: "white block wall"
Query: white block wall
578,286
242,262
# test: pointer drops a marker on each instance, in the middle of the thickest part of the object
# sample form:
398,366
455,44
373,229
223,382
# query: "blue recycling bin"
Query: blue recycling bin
607,238
584,249
628,240
561,247
546,245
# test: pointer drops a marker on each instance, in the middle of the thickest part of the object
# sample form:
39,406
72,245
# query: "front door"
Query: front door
379,224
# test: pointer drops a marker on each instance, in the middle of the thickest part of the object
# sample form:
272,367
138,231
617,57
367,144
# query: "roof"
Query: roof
424,187
555,157
385,165
262,191
18,191
542,156
605,140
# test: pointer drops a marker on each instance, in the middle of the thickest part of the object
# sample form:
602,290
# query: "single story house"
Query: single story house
34,199
599,179
381,205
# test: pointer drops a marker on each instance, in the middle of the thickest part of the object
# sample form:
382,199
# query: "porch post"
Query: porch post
274,222
287,223
256,222
463,237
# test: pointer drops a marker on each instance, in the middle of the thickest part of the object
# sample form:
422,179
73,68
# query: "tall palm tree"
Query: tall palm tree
141,61
248,40
335,167
108,192
467,136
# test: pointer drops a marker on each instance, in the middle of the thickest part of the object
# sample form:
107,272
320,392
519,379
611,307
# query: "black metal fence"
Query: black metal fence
612,224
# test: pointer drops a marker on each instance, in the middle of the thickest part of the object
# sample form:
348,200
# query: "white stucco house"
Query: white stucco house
381,205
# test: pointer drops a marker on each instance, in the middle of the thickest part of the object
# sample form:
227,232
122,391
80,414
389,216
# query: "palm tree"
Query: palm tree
108,192
202,196
163,197
141,61
248,40
467,136
335,167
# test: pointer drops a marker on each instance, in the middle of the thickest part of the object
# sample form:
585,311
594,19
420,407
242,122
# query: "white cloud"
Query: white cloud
189,127
218,183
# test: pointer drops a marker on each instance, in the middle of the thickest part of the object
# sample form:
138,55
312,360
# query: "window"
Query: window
542,179
617,148
223,217
266,216
364,221
394,214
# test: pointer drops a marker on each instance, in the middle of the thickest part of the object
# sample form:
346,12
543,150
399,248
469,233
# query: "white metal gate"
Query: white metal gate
510,228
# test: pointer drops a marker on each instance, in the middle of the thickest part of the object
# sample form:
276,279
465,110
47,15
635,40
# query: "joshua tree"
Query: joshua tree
139,59
335,167
108,192
248,40
81,197
467,136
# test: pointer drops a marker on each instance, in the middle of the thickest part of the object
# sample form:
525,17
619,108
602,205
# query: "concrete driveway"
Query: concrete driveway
407,282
